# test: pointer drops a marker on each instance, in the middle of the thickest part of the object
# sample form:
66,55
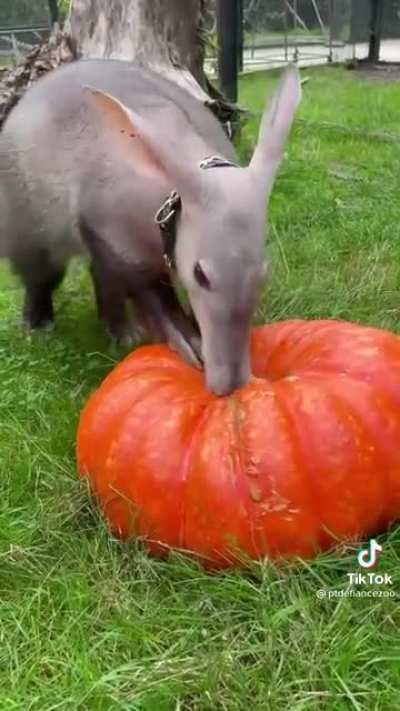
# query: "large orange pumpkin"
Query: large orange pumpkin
307,454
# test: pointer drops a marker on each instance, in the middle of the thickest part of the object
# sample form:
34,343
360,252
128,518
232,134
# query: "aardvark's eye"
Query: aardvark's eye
201,278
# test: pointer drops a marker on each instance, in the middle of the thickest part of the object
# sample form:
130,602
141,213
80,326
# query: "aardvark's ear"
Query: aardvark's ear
137,139
275,127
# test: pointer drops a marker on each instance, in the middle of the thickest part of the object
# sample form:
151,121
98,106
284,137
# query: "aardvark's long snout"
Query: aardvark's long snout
226,355
223,380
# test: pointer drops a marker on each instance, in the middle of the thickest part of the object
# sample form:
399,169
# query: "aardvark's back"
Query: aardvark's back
52,152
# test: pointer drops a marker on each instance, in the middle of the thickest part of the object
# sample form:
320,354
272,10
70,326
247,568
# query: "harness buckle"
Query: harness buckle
166,216
167,210
166,220
216,162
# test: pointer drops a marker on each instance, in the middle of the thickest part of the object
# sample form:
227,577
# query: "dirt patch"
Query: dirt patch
384,71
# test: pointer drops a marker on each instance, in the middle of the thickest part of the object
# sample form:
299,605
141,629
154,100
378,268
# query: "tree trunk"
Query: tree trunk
166,35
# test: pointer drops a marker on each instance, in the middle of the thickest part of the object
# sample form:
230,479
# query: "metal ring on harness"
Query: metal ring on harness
216,162
166,216
168,209
166,220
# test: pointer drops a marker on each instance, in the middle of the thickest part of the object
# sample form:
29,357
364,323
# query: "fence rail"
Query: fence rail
11,44
313,32
274,32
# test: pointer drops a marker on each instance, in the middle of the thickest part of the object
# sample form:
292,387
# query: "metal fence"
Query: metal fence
274,31
315,31
16,41
23,24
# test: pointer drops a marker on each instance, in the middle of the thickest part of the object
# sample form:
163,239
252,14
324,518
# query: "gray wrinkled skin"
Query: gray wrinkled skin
86,159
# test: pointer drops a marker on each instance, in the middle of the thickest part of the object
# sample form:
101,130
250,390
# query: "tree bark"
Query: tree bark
165,36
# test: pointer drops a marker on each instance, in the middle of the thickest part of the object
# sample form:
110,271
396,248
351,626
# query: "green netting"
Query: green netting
23,13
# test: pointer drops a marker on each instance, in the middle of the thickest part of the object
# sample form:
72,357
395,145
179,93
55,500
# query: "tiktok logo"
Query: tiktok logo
367,557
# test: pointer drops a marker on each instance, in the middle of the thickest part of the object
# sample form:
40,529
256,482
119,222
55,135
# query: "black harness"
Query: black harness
169,212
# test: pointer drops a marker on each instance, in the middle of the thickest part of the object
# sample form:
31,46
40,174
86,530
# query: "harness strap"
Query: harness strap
167,216
216,162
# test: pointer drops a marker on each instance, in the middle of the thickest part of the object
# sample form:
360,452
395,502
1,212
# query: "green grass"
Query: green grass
89,623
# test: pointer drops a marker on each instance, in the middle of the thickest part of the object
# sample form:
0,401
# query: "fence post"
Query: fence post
285,30
376,30
330,56
54,12
240,35
16,52
227,21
